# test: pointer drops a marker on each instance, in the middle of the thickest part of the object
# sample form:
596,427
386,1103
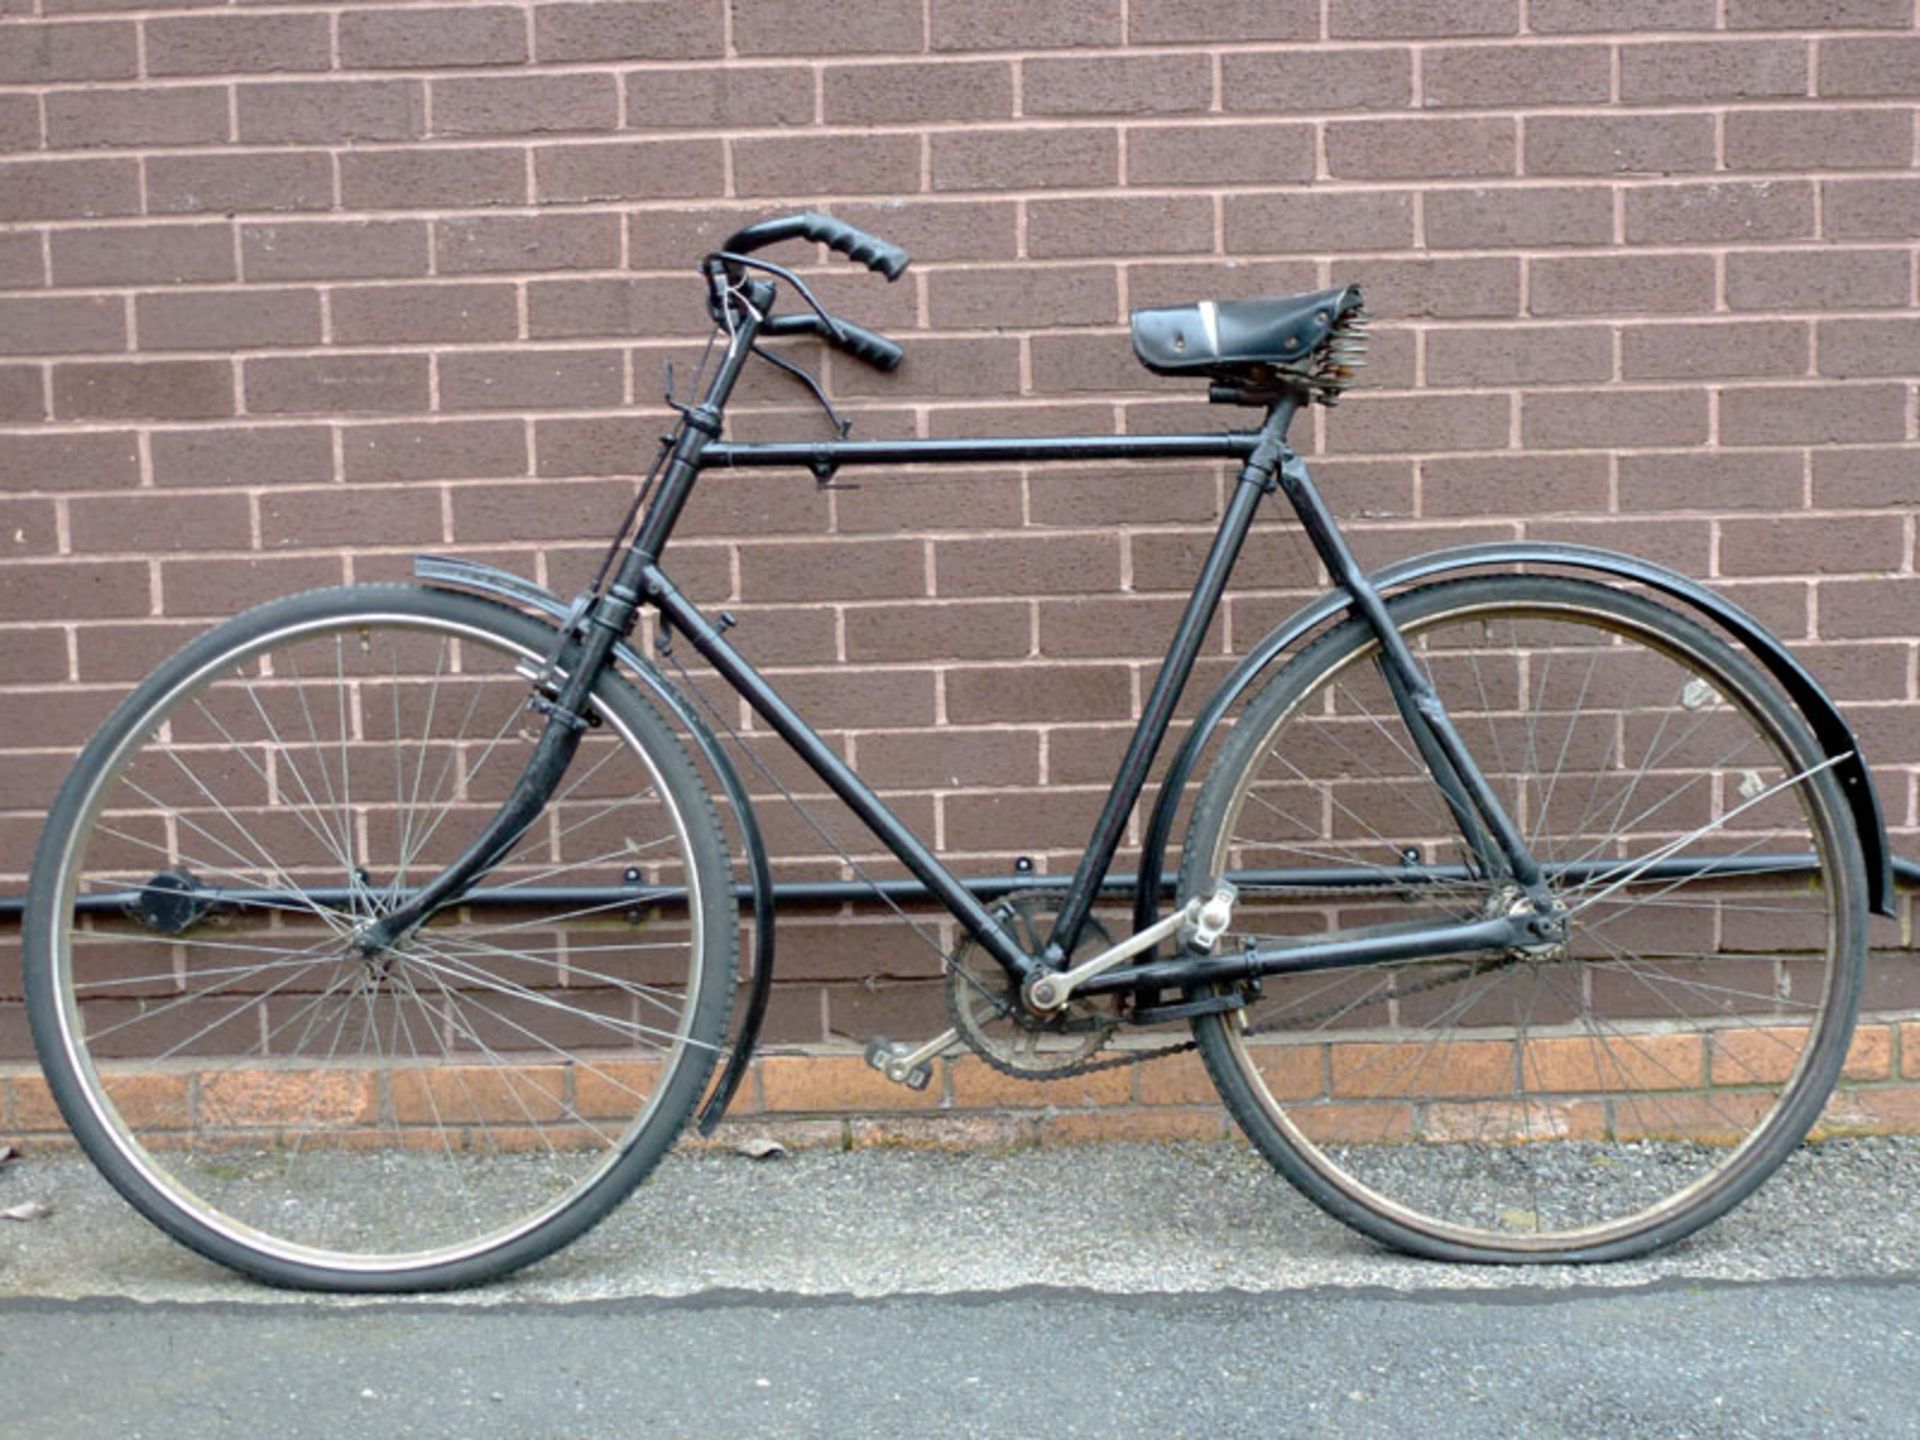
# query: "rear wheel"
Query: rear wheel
1584,1103
433,1116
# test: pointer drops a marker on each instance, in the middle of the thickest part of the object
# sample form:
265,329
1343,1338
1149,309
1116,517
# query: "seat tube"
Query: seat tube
1256,481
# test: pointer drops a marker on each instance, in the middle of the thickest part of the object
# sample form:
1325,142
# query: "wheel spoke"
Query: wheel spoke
445,1109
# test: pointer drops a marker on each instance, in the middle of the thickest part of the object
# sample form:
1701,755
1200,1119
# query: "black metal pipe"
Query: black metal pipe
982,887
584,897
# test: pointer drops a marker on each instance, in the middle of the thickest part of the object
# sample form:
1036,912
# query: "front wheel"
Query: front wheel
431,1116
1585,1102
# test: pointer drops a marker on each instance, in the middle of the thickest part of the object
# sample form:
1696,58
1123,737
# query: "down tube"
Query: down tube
926,867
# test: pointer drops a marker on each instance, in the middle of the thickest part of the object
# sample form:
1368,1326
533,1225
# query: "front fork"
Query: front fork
562,694
563,687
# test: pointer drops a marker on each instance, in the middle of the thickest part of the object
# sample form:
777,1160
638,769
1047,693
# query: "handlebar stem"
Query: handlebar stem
700,425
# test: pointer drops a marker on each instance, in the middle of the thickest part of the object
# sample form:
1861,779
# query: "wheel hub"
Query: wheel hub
1548,930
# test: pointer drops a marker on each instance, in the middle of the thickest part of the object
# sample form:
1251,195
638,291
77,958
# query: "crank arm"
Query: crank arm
1203,918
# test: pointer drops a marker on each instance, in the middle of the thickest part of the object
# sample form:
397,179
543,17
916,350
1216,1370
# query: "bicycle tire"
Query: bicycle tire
487,1092
1584,1105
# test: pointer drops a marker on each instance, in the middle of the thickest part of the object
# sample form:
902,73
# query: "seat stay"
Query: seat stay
1420,706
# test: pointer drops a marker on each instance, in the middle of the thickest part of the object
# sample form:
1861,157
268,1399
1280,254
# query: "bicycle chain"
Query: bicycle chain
1291,1022
1082,1067
1090,1067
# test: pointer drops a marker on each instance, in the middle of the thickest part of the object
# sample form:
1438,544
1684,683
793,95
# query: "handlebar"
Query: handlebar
858,341
876,254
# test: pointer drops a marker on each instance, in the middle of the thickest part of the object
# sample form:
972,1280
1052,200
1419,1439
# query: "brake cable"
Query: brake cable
783,273
831,325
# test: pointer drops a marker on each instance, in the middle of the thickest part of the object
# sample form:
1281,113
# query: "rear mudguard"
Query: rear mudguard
446,571
1822,715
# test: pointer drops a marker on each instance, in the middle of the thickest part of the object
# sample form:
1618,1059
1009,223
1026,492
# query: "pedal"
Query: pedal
908,1065
1206,928
891,1059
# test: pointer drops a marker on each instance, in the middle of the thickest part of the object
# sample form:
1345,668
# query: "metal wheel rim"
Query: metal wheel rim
1600,1233
158,1179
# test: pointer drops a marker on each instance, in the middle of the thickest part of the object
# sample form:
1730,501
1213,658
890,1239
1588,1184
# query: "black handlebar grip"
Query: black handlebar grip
876,254
870,250
864,344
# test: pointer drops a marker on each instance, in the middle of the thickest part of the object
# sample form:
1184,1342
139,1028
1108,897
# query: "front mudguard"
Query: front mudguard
446,571
1822,715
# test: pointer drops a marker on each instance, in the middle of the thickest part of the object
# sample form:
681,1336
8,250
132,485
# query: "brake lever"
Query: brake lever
823,470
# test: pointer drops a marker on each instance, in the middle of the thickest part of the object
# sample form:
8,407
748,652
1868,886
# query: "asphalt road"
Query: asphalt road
1830,1358
1110,1291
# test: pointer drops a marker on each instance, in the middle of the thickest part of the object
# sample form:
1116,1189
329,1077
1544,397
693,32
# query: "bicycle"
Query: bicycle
309,989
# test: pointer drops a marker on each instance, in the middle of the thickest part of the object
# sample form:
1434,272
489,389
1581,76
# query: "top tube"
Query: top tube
1220,445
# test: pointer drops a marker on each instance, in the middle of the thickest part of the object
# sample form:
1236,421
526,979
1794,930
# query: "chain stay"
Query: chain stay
1285,1023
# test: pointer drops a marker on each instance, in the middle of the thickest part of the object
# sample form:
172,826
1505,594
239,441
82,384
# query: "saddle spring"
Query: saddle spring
1344,352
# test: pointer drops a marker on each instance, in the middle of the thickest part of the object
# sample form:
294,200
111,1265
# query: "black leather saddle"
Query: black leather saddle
1306,336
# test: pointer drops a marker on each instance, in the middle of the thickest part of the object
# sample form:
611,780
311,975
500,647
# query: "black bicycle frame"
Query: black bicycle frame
1267,465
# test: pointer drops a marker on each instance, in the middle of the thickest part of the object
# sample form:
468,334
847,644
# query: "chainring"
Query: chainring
985,1006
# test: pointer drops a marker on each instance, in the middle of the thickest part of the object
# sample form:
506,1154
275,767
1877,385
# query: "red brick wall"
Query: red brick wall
292,292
